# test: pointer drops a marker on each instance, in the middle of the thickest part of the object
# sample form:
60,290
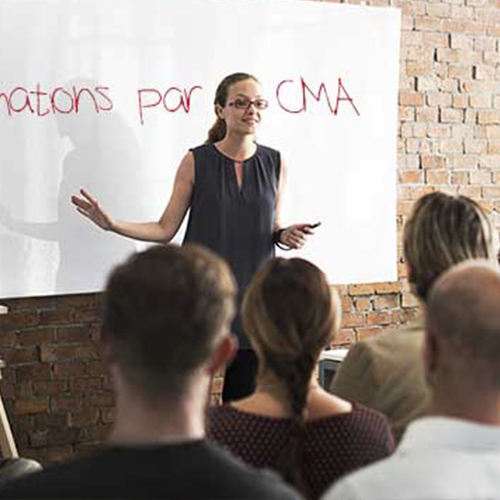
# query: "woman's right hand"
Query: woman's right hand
89,207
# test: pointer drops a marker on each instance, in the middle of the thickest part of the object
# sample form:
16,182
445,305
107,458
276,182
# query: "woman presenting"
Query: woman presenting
233,187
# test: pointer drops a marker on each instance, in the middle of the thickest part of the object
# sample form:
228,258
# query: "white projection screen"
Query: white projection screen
110,94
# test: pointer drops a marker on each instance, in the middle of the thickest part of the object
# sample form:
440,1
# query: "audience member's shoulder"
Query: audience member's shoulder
250,483
14,468
371,425
390,339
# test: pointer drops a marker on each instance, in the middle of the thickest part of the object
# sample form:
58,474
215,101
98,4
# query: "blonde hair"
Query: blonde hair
444,230
290,314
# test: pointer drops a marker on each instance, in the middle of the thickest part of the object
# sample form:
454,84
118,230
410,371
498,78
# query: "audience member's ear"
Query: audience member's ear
410,277
223,353
430,356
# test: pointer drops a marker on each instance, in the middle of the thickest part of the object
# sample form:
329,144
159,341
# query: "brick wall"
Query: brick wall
56,391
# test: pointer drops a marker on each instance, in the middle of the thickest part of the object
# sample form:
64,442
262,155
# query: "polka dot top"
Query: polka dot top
332,446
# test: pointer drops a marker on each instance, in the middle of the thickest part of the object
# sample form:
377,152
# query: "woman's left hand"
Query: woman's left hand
296,236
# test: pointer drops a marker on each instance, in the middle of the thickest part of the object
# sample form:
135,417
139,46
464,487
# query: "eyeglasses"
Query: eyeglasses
239,103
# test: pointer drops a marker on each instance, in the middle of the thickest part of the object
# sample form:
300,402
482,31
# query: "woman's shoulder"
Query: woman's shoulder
227,418
266,151
202,148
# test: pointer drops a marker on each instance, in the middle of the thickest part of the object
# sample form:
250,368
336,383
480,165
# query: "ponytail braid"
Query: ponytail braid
297,375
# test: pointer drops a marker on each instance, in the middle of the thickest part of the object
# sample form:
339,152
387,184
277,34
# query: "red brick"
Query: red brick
475,146
23,390
451,115
363,304
387,301
462,131
409,300
100,399
388,287
32,405
428,115
23,423
36,336
84,417
97,368
18,320
70,369
7,389
437,176
19,355
39,371
364,333
86,315
470,191
57,317
439,130
346,336
411,99
378,318
74,333
459,101
85,385
433,162
8,339
63,403
491,192
79,301
50,387
52,419
62,352
436,39
351,320
411,177
480,177
361,289
488,117
428,24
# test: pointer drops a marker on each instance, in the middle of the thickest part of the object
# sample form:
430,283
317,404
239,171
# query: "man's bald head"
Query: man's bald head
463,321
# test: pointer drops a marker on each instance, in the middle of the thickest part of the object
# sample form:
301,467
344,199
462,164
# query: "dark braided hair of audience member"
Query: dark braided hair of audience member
444,230
218,130
290,314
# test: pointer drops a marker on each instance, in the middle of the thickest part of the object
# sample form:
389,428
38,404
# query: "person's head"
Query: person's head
238,105
167,312
444,230
290,314
462,348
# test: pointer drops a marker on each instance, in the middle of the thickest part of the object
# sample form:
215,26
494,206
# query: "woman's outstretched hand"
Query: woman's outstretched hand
296,236
89,207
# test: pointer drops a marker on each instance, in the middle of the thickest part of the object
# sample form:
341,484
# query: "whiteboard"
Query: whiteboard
109,95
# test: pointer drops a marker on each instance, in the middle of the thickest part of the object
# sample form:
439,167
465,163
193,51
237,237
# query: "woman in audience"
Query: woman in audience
290,423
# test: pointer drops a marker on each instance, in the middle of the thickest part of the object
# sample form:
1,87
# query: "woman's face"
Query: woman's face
244,106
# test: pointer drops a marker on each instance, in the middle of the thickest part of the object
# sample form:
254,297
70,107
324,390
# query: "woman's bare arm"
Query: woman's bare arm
161,231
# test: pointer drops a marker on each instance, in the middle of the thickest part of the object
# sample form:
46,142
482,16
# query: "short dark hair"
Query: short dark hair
163,312
444,230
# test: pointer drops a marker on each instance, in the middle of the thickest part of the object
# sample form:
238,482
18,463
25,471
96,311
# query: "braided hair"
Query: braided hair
290,314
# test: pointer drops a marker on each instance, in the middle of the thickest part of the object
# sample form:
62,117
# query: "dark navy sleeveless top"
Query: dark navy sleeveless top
236,223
